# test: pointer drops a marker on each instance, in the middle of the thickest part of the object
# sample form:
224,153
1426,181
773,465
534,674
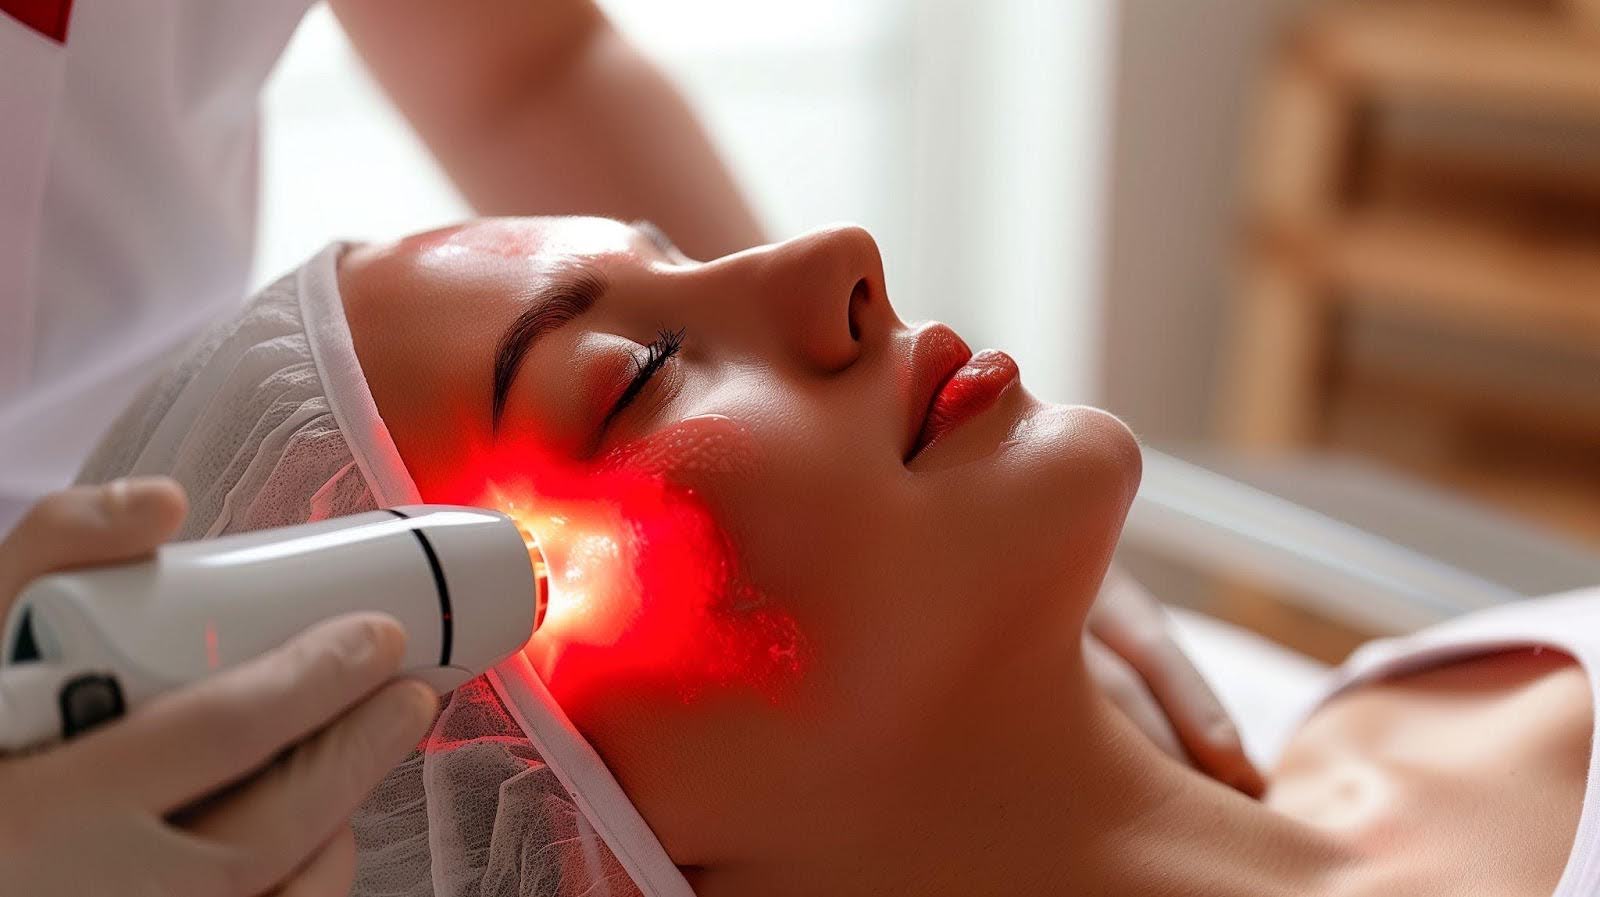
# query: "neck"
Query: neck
1071,802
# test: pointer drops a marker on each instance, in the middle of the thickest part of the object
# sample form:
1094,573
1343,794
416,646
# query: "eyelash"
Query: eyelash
659,351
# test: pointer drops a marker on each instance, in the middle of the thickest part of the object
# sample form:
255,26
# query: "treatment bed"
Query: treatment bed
1347,540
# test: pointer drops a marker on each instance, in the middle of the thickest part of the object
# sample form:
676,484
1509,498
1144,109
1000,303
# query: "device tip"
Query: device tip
541,585
541,574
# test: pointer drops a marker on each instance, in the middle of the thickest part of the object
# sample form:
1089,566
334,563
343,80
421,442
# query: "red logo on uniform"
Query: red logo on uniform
48,17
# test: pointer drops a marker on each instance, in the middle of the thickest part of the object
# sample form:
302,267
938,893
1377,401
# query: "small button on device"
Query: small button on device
87,701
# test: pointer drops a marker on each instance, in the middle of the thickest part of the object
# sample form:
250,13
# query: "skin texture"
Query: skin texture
543,107
938,730
1429,774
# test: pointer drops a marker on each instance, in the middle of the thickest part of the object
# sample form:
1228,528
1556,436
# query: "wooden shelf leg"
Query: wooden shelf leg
1279,360
1303,141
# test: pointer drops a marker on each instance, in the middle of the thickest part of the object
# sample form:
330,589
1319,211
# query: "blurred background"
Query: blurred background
969,138
1344,252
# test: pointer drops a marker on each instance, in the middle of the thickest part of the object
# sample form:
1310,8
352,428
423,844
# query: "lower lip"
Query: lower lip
970,390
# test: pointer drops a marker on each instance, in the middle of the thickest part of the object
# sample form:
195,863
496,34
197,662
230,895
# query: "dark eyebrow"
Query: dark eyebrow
567,295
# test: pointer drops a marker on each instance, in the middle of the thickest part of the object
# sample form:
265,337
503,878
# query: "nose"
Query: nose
824,291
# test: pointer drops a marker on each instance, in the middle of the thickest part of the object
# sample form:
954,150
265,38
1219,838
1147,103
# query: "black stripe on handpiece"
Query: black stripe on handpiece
446,627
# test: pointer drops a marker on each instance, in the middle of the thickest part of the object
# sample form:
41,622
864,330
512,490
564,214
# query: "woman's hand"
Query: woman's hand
1130,652
239,785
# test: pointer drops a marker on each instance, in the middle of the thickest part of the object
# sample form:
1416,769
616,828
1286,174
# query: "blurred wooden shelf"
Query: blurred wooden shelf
1558,492
1522,60
1433,167
1539,182
1425,398
1548,501
1467,274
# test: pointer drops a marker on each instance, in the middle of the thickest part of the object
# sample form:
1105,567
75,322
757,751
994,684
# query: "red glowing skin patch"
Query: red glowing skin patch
645,587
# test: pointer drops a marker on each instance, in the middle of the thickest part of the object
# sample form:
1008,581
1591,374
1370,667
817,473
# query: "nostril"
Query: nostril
858,299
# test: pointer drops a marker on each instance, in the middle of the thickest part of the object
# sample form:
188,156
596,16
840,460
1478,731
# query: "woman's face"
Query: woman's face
794,539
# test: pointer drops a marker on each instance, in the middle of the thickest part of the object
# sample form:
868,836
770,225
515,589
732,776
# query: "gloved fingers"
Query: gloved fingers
278,819
330,872
1129,693
1203,725
87,525
194,741
1135,626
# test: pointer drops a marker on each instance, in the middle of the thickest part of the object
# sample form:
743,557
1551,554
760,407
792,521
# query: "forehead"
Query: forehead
537,242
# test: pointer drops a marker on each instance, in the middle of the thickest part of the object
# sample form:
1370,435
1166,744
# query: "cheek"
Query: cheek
648,595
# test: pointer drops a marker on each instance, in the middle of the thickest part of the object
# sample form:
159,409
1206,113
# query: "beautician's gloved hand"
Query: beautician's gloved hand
239,785
1130,650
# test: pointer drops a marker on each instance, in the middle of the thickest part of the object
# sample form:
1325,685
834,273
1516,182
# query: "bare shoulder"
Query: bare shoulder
1468,776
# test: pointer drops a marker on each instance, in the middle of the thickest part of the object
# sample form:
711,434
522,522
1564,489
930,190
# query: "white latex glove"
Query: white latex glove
239,785
1131,653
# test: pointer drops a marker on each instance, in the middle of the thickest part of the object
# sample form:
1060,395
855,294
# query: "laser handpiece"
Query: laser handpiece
85,646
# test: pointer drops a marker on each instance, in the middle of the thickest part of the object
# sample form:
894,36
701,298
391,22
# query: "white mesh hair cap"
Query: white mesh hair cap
267,421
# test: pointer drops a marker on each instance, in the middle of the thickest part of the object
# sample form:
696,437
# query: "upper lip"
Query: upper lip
936,353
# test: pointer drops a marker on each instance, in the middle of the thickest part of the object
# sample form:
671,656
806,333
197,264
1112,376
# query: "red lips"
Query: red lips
950,385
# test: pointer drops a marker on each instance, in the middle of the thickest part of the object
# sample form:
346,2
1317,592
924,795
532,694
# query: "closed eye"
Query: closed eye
657,353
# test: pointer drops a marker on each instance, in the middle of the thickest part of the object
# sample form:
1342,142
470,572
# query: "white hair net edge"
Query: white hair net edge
349,398
578,767
602,800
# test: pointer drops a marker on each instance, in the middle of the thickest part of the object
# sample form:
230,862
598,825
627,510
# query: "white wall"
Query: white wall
1184,77
338,161
1009,151
969,137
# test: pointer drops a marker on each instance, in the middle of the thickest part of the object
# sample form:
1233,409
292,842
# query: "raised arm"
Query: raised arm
541,107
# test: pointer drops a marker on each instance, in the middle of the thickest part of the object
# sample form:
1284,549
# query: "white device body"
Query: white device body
460,580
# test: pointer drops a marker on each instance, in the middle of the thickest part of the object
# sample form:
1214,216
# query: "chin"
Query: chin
1112,443
1084,450
1074,471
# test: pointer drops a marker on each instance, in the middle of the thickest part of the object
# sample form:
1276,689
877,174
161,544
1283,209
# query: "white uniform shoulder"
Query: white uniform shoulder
127,219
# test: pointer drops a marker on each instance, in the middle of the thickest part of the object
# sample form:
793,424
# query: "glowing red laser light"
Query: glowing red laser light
644,585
